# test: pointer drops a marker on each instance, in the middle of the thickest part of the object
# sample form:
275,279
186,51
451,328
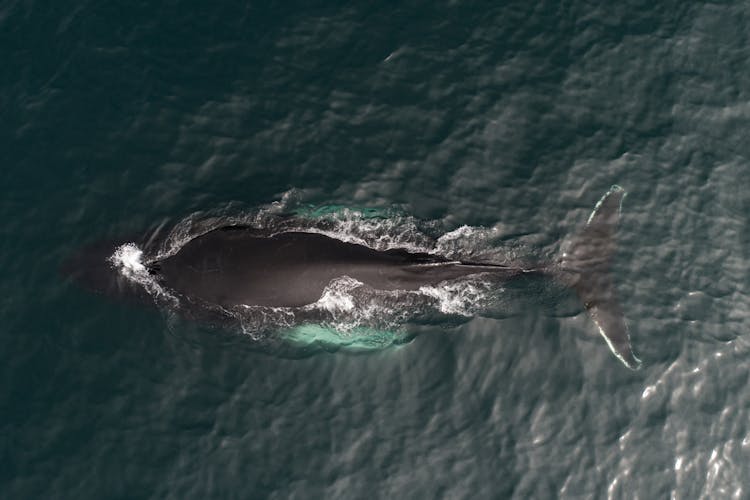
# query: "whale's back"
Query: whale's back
237,265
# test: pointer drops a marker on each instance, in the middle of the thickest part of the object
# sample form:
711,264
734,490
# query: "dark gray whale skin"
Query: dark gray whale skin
238,265
242,265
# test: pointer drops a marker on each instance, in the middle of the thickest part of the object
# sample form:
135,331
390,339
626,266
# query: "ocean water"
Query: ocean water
511,117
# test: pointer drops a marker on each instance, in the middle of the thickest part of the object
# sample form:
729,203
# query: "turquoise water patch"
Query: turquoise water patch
357,339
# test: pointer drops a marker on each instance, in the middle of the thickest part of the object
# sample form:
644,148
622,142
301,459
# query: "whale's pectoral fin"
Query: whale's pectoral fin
590,260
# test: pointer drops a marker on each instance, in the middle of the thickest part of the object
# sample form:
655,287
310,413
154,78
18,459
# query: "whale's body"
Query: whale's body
239,265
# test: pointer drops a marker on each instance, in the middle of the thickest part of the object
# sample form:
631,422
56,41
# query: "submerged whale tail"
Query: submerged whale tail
586,266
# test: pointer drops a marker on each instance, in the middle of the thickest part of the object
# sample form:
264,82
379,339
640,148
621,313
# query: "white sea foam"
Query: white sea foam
337,296
128,260
464,297
254,320
379,233
458,234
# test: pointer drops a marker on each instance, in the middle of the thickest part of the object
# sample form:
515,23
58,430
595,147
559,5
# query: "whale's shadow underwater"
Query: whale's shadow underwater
238,270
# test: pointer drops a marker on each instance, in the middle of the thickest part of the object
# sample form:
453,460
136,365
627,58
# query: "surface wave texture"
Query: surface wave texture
517,116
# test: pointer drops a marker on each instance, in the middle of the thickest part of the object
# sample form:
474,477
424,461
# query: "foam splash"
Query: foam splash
463,298
128,260
254,320
379,230
337,297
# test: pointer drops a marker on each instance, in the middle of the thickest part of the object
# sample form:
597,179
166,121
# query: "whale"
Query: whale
237,265
240,265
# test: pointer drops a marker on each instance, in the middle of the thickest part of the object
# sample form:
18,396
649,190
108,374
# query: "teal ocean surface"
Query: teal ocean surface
485,127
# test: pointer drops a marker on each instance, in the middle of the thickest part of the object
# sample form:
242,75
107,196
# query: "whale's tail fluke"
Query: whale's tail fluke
586,265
